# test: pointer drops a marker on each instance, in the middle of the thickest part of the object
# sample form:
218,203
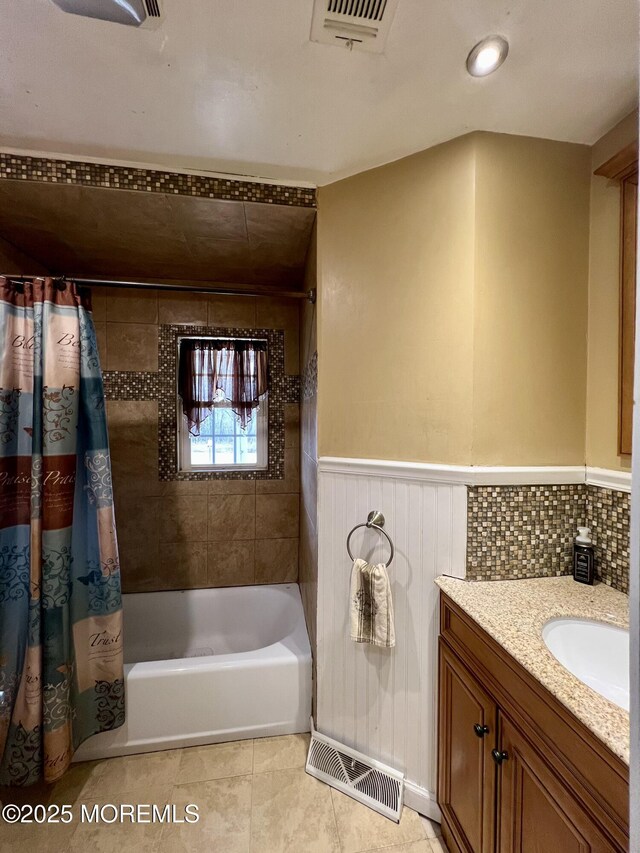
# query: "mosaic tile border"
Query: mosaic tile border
142,385
18,167
527,531
131,385
291,388
167,431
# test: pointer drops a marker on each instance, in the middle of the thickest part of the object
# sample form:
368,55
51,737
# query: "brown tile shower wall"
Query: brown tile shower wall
15,262
308,495
309,460
181,534
527,531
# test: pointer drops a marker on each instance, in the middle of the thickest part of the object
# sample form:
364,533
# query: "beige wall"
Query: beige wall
604,292
452,311
395,309
530,301
188,534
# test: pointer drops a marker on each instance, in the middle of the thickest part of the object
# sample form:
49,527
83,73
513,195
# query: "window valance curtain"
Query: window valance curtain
216,370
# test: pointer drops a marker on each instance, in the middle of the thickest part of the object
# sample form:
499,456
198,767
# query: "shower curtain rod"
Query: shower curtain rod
219,289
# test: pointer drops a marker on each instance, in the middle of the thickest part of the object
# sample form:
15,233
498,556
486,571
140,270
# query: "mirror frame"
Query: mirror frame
623,167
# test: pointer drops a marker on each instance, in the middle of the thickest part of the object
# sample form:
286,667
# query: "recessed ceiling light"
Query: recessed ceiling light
487,55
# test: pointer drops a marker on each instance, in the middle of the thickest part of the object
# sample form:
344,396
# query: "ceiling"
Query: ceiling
88,231
238,87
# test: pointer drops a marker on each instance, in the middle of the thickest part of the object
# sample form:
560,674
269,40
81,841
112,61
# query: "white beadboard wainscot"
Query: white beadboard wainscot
383,701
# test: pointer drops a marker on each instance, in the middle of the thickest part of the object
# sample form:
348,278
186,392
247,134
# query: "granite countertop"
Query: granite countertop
513,613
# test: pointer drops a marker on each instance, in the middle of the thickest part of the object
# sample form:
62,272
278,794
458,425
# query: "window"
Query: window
225,434
222,444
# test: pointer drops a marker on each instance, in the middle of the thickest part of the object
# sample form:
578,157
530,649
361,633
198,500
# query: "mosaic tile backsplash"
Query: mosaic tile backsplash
527,531
608,515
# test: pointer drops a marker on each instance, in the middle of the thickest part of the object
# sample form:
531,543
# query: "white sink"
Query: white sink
595,652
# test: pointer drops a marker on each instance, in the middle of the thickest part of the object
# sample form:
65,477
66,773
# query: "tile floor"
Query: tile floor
253,796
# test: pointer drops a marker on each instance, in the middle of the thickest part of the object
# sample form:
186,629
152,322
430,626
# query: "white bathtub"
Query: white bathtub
210,665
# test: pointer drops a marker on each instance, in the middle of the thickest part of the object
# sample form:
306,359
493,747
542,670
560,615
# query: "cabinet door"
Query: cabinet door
536,813
466,771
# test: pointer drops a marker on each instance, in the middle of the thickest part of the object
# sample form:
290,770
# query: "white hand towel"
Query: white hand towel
371,605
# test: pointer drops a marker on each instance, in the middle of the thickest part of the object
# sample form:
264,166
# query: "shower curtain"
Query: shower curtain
61,670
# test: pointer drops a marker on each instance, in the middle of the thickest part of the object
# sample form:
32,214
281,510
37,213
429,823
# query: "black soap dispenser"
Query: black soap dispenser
583,557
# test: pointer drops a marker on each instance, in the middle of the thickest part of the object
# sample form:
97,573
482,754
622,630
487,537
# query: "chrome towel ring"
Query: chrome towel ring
375,519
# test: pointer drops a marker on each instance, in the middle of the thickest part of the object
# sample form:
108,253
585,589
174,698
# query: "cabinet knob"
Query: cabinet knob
481,731
499,756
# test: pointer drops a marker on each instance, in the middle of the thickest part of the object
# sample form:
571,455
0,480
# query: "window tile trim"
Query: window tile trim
161,387
167,426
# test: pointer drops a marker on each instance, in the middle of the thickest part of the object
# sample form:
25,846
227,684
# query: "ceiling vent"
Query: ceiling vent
145,14
356,24
154,18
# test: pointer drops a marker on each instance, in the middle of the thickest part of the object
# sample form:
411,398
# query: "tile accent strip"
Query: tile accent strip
292,388
14,167
160,386
527,531
131,385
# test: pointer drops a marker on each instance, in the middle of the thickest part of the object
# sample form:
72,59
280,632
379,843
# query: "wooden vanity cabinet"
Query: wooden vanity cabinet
467,727
517,772
537,812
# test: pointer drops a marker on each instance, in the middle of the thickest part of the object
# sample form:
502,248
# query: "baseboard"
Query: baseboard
421,800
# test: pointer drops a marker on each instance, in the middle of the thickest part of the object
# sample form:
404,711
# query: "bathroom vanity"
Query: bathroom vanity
530,757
